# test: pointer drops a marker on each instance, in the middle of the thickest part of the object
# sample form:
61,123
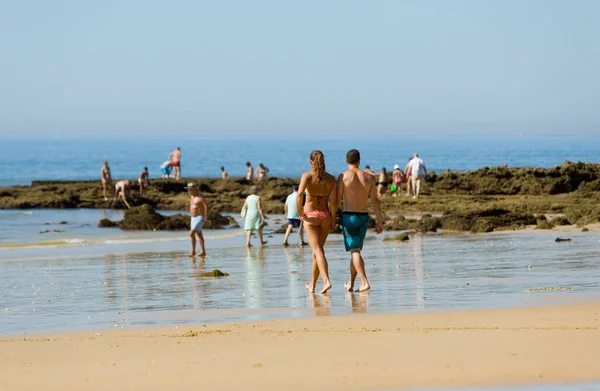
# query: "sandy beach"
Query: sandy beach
493,347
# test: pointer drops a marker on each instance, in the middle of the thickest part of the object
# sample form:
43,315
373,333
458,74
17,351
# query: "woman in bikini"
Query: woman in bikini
318,215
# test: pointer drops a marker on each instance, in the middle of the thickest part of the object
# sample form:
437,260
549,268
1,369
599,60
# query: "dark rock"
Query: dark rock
398,238
560,220
106,223
486,220
558,240
585,230
543,224
141,218
178,222
215,273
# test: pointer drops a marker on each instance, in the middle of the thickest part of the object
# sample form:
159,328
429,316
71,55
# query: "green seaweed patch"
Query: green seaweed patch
544,224
403,237
215,273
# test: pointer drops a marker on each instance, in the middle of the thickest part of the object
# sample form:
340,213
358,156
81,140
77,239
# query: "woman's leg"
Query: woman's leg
314,234
260,236
248,234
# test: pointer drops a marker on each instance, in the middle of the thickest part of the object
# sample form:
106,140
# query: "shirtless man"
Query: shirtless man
356,186
122,190
106,179
250,172
369,171
224,174
199,212
143,180
175,158
261,172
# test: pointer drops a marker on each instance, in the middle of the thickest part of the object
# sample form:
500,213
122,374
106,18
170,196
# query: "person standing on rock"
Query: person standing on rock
418,172
106,179
199,216
250,172
261,172
255,216
224,174
408,176
143,180
122,190
397,178
175,158
355,187
293,218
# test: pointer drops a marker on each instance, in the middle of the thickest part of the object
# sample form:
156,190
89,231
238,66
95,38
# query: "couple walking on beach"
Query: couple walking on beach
323,196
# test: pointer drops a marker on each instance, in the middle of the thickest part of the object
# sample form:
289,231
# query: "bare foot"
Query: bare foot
304,244
364,288
326,287
285,244
263,243
349,287
248,245
192,254
203,255
311,289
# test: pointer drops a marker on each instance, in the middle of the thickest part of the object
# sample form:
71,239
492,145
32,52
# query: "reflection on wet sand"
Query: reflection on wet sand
358,301
321,303
416,248
255,261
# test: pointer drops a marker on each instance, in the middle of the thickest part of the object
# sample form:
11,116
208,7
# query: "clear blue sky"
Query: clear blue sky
238,68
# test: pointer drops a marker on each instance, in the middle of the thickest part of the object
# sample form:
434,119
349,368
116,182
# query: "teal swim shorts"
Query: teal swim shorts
354,229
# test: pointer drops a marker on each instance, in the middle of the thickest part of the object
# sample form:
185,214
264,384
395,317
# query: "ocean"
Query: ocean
25,160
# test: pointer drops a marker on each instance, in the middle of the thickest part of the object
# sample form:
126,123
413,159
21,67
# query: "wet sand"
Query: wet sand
495,347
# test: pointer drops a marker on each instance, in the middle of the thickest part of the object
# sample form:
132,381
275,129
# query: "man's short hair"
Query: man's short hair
145,168
295,187
353,156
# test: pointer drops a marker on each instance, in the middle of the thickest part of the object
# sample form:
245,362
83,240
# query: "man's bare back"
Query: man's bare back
355,186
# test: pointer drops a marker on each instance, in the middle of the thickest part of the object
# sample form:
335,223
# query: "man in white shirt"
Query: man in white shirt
418,172
293,218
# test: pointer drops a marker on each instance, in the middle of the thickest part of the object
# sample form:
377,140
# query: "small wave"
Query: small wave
73,242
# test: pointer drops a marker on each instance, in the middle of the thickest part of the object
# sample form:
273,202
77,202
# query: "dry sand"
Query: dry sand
495,347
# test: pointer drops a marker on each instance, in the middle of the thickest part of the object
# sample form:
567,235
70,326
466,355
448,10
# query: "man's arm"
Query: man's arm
340,190
285,209
376,206
205,206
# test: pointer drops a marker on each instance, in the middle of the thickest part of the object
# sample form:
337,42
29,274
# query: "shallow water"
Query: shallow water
126,284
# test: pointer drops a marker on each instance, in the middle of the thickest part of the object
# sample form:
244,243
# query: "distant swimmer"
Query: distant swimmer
250,172
418,172
317,215
143,180
293,218
199,213
224,174
106,179
255,217
355,187
175,158
166,169
261,172
122,190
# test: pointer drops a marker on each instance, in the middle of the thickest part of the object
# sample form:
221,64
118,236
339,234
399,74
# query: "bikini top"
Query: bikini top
321,198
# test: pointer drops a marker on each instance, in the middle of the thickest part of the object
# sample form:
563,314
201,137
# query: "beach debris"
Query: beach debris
98,335
7,309
529,267
63,223
397,238
547,289
558,240
215,273
585,229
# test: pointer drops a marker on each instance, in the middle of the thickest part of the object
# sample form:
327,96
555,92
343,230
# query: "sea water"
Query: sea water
112,278
25,160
